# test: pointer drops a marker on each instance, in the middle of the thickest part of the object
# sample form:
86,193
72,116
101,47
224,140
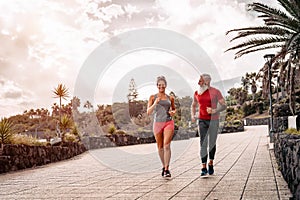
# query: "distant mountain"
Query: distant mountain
225,85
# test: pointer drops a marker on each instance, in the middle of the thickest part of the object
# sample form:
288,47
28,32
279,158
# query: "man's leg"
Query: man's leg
203,128
212,140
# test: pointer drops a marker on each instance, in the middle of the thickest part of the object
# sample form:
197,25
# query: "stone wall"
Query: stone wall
237,126
16,157
257,121
287,153
114,140
280,124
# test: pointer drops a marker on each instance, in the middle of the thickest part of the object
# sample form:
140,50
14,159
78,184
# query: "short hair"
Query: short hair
206,77
161,78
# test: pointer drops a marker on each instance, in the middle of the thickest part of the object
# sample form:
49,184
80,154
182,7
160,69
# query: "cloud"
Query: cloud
44,43
13,97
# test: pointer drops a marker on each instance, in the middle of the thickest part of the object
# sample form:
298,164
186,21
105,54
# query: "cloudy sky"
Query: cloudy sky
46,42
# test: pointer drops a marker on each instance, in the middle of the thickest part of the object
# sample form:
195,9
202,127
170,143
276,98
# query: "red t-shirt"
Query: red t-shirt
209,98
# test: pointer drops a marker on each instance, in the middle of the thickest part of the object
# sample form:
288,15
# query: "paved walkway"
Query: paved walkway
244,169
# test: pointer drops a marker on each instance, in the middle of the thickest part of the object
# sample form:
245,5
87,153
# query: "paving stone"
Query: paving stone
243,169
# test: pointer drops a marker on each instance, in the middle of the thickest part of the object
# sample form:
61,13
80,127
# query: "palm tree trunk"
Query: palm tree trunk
292,90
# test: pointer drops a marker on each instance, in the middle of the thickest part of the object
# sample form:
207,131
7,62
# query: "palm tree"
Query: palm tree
61,92
281,31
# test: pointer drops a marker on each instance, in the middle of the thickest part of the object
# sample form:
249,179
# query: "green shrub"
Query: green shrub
27,140
249,109
120,132
69,137
112,129
292,131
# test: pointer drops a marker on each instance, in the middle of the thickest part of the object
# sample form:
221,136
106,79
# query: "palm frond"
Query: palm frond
241,53
292,7
257,41
261,30
291,25
293,42
273,16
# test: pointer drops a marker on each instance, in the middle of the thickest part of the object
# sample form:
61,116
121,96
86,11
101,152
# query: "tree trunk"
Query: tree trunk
292,91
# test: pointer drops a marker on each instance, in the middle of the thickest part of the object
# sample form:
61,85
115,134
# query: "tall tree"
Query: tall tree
132,95
61,92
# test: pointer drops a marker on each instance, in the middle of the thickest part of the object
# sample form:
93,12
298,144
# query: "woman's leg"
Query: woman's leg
168,136
160,148
159,138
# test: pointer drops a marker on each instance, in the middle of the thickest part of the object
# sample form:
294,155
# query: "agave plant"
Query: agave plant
65,124
6,131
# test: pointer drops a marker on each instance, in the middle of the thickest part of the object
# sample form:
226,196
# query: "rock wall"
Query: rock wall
125,139
258,121
16,157
287,153
280,124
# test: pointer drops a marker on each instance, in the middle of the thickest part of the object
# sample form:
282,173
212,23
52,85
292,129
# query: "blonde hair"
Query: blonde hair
161,78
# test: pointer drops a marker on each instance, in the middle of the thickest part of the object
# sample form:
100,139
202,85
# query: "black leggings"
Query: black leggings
208,131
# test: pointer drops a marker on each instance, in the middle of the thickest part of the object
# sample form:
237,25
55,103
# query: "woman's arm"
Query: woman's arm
151,104
172,112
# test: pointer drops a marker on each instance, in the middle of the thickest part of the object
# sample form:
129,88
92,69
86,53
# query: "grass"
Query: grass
27,140
292,131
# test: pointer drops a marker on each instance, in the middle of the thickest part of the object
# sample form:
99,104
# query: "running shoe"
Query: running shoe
211,169
167,173
203,172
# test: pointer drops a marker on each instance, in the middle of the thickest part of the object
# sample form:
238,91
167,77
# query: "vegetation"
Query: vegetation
6,131
280,32
292,131
27,140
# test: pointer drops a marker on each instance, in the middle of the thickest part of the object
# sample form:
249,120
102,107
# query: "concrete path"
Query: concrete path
244,169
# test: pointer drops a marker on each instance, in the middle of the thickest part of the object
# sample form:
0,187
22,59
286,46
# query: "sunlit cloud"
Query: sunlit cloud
44,43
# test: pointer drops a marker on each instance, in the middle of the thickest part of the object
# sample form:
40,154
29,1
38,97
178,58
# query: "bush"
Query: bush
249,109
112,129
27,140
260,107
120,132
292,131
69,137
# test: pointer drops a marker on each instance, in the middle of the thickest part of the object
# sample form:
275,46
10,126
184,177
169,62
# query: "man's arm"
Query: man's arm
193,109
220,107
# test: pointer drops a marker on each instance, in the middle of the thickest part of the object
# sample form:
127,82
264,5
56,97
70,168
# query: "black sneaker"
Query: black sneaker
163,171
211,169
203,172
167,173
